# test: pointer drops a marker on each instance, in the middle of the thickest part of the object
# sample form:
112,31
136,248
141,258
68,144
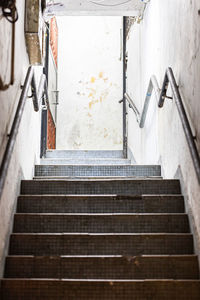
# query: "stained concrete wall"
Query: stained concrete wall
90,83
169,35
26,150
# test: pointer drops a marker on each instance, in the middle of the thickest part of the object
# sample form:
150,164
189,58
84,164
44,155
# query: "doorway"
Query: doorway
90,83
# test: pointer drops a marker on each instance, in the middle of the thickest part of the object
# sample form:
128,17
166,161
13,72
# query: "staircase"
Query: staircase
92,226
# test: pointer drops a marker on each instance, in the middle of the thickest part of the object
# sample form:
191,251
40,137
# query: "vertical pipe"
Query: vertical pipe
124,90
44,117
46,64
12,50
43,144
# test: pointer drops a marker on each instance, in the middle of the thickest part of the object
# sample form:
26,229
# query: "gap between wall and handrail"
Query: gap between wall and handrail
37,96
161,95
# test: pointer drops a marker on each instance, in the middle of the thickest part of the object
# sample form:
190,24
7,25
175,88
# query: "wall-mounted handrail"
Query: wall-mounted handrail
153,85
169,78
36,96
133,106
160,97
43,89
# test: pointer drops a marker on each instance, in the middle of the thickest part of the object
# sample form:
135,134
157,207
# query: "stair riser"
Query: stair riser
74,290
80,204
103,268
64,170
51,161
84,154
119,187
101,224
36,244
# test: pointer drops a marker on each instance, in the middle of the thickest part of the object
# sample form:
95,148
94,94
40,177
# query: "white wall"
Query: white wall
26,150
90,83
169,35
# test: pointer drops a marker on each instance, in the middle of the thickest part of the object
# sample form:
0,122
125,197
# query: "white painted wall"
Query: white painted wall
90,83
169,35
27,147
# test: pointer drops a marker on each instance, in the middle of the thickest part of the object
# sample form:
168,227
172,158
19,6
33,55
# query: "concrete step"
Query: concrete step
100,204
84,161
100,244
101,223
97,170
51,289
103,267
99,186
84,154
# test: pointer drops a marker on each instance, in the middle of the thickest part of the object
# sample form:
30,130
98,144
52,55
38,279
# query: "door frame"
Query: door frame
125,152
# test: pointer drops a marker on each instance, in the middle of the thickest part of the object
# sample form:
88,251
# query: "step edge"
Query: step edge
164,256
101,234
103,214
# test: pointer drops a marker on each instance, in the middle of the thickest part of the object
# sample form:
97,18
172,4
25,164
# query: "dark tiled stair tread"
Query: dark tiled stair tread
51,289
98,186
113,223
100,244
103,267
100,203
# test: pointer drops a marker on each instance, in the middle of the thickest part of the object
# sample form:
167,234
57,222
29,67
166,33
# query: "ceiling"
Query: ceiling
95,7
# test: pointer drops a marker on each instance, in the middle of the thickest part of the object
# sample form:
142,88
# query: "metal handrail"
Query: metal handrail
169,78
36,96
160,96
153,85
133,106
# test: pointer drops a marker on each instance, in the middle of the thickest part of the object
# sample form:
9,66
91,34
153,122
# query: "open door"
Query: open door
90,70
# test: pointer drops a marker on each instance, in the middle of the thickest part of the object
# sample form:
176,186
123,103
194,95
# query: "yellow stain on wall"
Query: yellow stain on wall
90,95
92,90
92,80
100,74
92,103
105,133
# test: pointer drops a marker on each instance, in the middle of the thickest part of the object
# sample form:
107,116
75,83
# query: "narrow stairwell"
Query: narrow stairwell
92,226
